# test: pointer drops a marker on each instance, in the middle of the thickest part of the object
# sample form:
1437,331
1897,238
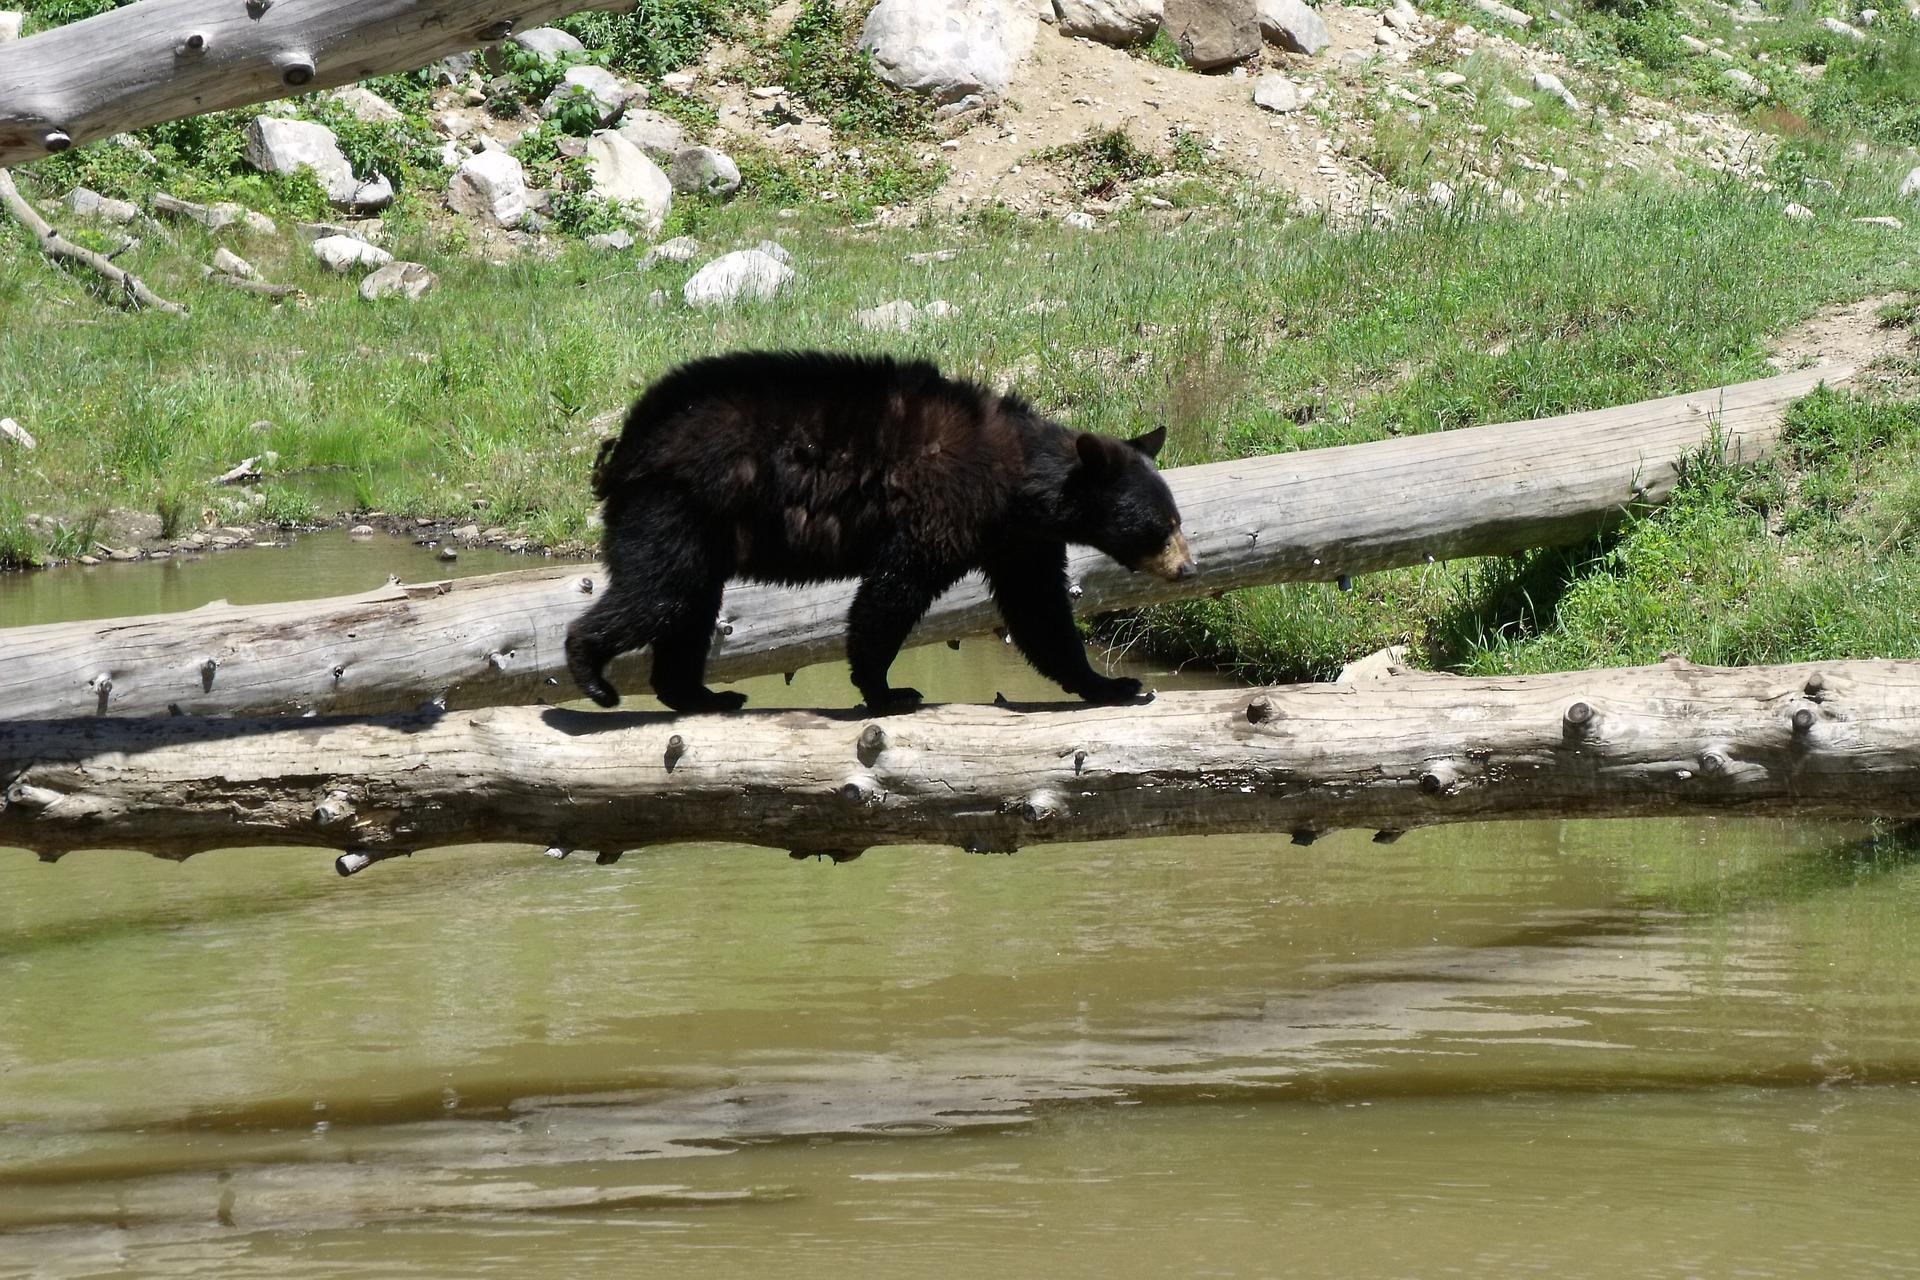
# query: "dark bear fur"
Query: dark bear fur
803,467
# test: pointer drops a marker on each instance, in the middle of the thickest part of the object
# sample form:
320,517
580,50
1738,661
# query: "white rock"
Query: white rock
948,49
11,430
1504,12
279,145
364,104
344,253
678,249
1514,102
1740,79
490,184
86,203
372,194
407,280
1080,221
888,317
258,223
611,241
939,309
1292,25
775,250
1547,82
1840,28
607,92
1868,17
10,24
1276,93
1449,79
551,43
660,136
1910,186
704,171
1441,194
735,277
1882,221
1798,212
1115,22
622,172
233,264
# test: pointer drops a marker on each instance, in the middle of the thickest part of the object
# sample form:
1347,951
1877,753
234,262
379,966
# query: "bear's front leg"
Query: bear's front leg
1029,585
893,596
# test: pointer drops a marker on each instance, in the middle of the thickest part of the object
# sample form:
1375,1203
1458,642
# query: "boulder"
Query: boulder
363,103
611,241
622,173
490,184
1910,185
84,202
704,171
344,253
1744,82
888,317
551,43
1547,82
1798,212
948,49
775,250
607,92
1276,93
736,277
1214,33
369,196
279,145
1504,12
1115,22
1840,28
660,136
407,280
10,24
1292,25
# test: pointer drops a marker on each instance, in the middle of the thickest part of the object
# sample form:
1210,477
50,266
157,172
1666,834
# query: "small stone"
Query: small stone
678,249
1504,12
611,241
1441,194
1741,80
598,86
1276,93
1292,25
626,175
361,531
1882,221
1840,28
769,92
1449,79
1547,82
449,553
343,253
1080,220
747,274
550,43
1514,102
660,136
363,103
11,430
704,171
1385,38
1798,212
86,203
1910,185
233,264
409,280
490,184
888,317
773,249
89,560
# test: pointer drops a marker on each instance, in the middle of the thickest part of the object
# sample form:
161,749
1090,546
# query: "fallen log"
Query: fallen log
1318,515
162,59
125,286
1814,740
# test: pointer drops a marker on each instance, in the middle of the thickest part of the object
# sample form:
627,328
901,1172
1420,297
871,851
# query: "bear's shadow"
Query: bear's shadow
577,724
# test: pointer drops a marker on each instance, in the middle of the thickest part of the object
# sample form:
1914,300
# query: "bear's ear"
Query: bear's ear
1150,443
1096,452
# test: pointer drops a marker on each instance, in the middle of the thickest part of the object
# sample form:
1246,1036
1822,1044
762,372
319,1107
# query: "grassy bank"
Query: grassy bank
1245,330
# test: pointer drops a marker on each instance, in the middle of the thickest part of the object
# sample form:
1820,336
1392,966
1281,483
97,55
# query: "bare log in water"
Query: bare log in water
1312,516
1813,740
162,59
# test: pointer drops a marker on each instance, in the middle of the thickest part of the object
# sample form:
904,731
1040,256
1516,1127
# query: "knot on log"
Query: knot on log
1803,721
1816,686
1440,780
1577,720
873,740
586,586
500,658
295,67
1042,807
57,140
676,748
336,808
33,799
1714,763
495,31
192,47
861,791
207,670
1260,710
1079,763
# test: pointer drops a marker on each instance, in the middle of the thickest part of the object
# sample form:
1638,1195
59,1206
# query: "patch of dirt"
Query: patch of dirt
1886,355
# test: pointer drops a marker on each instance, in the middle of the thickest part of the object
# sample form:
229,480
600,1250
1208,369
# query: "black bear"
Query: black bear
800,467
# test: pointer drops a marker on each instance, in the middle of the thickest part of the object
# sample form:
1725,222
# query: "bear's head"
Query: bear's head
1121,505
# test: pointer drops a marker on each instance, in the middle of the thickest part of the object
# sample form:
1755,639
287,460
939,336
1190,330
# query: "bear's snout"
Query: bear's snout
1173,562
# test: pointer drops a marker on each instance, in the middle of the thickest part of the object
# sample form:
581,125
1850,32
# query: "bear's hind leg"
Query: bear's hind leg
893,597
680,656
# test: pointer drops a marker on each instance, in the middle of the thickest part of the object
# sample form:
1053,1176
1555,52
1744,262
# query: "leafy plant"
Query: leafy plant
820,64
1098,163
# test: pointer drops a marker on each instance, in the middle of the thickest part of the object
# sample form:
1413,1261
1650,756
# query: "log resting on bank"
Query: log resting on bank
1309,516
1813,740
162,59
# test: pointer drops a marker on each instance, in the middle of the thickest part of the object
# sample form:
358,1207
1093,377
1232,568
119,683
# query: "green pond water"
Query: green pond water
1575,1049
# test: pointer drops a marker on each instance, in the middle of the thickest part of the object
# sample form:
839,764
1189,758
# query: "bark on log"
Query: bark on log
1814,740
1311,516
163,59
126,287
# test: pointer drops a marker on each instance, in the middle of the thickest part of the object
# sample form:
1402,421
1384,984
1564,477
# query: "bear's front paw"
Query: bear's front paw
1104,689
893,702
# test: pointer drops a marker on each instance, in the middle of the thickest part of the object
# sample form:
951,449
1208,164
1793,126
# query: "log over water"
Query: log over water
163,59
1309,516
1812,740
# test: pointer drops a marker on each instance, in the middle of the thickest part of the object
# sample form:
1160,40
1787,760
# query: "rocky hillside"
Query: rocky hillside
622,128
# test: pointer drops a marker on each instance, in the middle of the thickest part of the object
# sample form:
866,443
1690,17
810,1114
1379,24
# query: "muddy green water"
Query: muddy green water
1581,1049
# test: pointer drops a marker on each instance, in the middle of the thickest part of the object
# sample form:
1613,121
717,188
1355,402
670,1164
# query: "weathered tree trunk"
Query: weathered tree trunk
1311,516
1814,740
162,59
